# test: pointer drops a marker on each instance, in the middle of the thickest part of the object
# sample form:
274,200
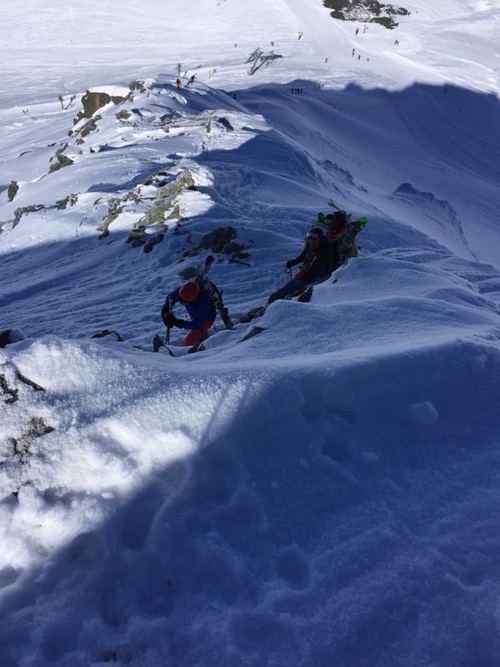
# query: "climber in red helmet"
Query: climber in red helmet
199,306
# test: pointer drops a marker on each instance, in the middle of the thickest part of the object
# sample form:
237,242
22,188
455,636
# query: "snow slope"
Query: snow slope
325,492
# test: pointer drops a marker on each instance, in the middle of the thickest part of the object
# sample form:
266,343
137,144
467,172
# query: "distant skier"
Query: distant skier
199,306
178,83
315,259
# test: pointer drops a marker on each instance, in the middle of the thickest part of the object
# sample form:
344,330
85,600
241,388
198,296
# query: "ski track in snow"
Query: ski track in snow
324,492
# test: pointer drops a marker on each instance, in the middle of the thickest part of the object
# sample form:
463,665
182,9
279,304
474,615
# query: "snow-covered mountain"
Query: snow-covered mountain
325,492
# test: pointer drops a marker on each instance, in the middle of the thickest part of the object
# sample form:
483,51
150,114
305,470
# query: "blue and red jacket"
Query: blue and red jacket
200,311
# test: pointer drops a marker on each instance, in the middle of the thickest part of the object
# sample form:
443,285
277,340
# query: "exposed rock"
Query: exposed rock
9,336
108,332
224,121
179,230
157,179
70,200
367,11
22,378
36,429
4,337
165,208
115,207
133,195
182,182
60,161
86,129
220,240
236,260
137,234
11,393
154,240
12,190
175,213
19,212
231,248
123,114
92,101
137,85
217,239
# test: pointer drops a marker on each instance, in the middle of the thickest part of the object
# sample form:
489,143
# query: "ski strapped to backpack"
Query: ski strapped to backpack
213,292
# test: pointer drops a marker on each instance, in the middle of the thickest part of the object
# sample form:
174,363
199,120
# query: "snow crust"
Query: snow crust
325,492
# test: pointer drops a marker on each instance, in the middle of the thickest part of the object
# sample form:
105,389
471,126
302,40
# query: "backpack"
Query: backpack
347,237
348,246
214,293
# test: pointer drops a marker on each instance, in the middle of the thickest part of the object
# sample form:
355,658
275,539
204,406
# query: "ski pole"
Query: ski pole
167,334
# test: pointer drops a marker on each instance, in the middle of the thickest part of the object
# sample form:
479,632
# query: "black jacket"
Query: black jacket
315,263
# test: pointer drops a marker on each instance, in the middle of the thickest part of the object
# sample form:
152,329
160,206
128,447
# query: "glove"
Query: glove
168,318
177,323
290,263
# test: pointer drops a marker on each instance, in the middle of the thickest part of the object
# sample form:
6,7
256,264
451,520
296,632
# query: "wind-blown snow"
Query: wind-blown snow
326,492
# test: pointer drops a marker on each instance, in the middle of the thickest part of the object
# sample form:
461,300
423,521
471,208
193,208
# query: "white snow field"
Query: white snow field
325,493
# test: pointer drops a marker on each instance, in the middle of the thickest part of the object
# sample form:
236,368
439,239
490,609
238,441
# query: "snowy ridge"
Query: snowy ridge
179,499
322,493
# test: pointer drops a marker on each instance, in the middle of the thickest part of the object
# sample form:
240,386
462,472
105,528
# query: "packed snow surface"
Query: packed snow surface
324,492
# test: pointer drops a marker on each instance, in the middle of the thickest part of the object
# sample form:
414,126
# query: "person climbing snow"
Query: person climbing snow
315,259
199,306
336,227
341,232
329,245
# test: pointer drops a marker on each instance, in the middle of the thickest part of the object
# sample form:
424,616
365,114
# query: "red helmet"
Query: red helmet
189,292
